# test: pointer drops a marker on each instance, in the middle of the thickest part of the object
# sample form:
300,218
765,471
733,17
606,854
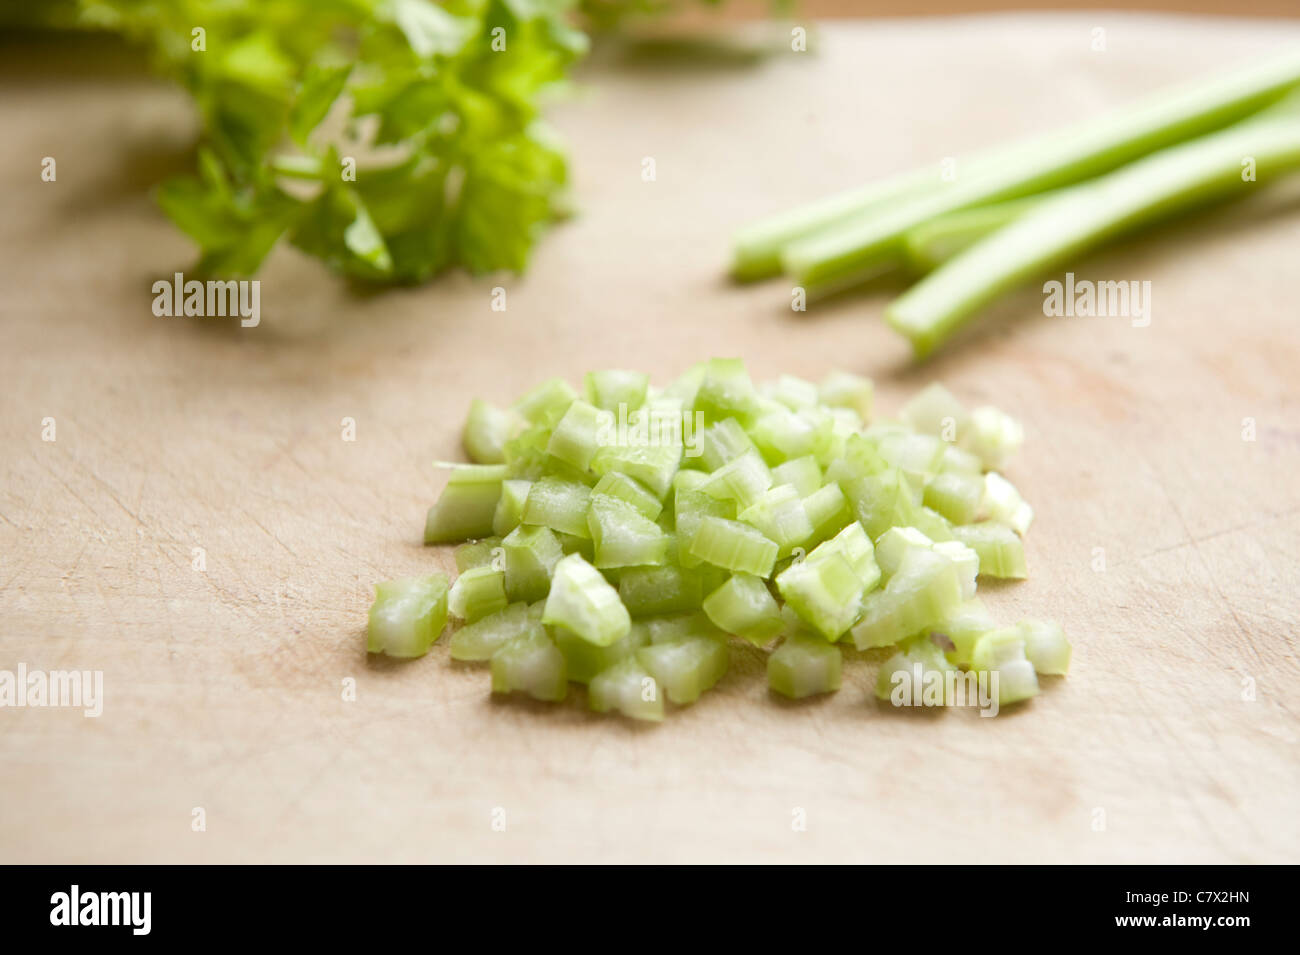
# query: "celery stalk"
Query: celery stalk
1083,216
873,240
932,243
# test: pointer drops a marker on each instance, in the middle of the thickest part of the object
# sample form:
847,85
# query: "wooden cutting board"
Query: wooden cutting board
1165,543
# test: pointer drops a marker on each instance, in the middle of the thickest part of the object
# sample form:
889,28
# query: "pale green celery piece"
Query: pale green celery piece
531,664
1000,550
923,591
892,545
958,460
780,515
840,389
584,602
584,660
917,455
735,546
963,627
965,560
478,592
467,504
793,392
804,666
546,403
860,458
577,434
618,485
932,243
525,453
828,511
685,668
781,434
917,673
487,429
529,555
628,688
674,627
722,442
1046,646
881,501
407,616
476,553
573,544
803,474
932,524
510,506
993,437
558,504
725,391
955,494
691,505
853,544
623,536
744,606
826,593
1003,503
1002,651
757,248
742,480
646,591
685,385
612,388
1062,227
935,410
477,641
654,465
873,240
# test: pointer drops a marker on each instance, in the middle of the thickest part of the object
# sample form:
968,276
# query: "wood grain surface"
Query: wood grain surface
223,687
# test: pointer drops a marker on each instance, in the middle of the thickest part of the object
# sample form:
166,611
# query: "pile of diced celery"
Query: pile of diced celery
620,537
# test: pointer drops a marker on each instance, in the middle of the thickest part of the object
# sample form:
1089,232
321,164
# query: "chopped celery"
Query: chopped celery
744,606
477,641
722,442
476,553
670,628
734,546
854,546
962,627
882,501
1001,552
623,536
743,480
826,592
965,560
993,436
922,592
828,511
546,403
725,391
1003,503
467,504
803,474
628,688
932,524
630,491
576,437
531,664
955,495
781,434
614,388
793,392
530,555
656,590
917,456
917,674
407,616
1046,646
936,411
840,389
691,505
653,466
780,515
558,504
802,666
487,429
685,668
510,506
584,659
1002,652
478,592
894,543
584,602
